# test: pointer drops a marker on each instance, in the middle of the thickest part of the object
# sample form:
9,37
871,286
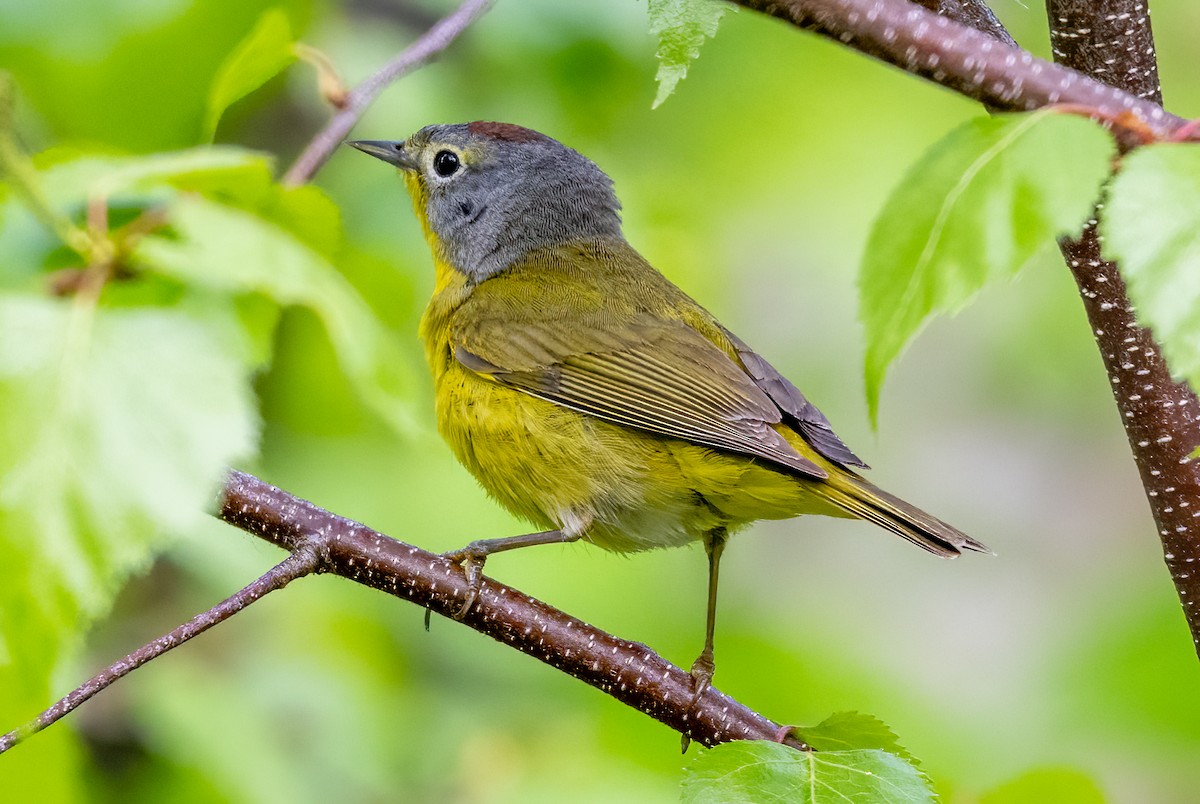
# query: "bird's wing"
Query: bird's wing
652,374
805,416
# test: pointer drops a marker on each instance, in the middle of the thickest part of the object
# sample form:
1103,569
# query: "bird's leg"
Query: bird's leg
702,668
473,556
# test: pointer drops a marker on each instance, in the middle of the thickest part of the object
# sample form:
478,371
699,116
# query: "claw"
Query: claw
475,554
702,673
472,562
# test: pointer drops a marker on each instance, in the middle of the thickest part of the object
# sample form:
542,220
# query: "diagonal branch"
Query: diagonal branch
417,55
969,61
320,541
628,671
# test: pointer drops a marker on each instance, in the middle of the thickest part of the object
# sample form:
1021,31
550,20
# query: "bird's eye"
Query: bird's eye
446,163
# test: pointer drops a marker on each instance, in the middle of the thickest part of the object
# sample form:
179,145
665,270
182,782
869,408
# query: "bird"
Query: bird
586,392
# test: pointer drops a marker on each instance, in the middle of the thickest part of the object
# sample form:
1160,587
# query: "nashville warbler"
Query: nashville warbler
590,395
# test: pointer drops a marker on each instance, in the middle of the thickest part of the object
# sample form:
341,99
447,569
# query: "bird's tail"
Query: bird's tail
860,498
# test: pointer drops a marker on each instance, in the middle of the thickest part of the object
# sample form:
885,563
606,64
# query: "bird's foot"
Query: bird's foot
702,673
472,558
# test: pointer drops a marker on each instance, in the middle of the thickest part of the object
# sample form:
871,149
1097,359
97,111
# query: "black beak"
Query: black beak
388,150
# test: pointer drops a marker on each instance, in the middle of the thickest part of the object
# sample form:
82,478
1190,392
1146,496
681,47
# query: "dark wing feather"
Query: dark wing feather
654,375
811,423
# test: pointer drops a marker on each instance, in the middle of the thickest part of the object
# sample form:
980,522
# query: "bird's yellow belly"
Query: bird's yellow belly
619,488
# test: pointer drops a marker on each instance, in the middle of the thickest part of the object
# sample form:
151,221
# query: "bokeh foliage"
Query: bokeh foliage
754,187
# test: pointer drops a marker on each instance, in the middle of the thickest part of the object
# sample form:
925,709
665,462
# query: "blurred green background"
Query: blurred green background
753,188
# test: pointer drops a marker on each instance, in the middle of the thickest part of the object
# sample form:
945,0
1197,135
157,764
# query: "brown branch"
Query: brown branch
320,541
1112,40
300,563
953,55
1109,40
416,55
628,671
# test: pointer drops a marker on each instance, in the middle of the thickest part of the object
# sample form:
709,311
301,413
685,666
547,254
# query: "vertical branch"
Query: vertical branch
1111,41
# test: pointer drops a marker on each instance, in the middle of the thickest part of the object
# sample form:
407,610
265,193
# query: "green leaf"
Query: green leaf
681,27
232,250
263,54
975,208
1151,226
1047,786
72,177
68,179
846,730
117,427
277,242
763,771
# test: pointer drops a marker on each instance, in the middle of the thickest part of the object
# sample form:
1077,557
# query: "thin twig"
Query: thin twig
430,44
301,562
628,671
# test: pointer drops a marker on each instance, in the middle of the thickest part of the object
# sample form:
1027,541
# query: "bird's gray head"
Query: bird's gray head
490,193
